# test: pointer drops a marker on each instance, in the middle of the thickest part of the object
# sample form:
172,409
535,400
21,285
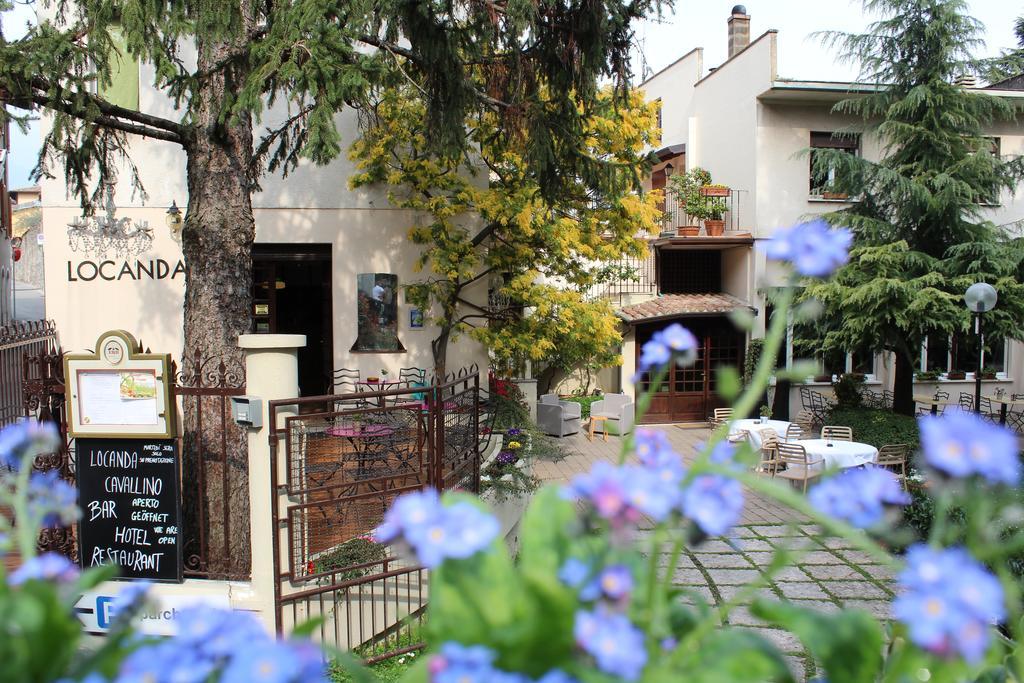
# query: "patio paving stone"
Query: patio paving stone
827,574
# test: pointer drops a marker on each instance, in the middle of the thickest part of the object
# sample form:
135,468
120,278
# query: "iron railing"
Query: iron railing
675,215
20,341
337,464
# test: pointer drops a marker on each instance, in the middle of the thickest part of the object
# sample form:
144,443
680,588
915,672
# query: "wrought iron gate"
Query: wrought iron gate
338,462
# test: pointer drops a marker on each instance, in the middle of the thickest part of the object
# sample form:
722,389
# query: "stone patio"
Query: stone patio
824,574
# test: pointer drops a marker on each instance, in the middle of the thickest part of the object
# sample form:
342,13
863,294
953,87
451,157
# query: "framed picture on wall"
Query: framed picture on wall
415,319
377,313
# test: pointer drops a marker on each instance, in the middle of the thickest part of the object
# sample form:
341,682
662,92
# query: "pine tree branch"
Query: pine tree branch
109,121
41,86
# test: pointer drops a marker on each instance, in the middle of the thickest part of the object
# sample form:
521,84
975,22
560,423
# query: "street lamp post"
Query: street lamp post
980,298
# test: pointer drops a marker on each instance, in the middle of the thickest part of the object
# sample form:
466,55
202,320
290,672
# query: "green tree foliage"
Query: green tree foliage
225,63
491,225
1011,62
920,217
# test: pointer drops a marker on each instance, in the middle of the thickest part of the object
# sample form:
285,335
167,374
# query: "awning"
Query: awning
681,305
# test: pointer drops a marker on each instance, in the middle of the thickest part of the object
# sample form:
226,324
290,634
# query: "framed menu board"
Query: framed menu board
129,494
118,391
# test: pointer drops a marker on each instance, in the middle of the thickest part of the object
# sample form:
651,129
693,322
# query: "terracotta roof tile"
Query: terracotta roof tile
672,305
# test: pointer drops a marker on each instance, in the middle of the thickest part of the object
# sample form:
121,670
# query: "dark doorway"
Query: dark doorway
689,394
292,295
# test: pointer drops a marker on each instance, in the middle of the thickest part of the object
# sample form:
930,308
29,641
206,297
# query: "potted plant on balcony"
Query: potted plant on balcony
715,190
685,187
714,212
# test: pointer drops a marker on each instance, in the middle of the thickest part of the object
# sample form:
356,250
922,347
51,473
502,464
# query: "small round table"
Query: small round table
594,419
753,427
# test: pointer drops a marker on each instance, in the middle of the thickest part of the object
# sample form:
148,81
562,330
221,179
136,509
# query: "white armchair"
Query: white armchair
619,411
558,418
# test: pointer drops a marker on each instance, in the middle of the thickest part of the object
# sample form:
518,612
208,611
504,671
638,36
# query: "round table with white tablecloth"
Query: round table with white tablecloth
839,454
753,427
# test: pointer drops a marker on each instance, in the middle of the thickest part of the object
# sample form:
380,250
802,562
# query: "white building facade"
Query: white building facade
750,129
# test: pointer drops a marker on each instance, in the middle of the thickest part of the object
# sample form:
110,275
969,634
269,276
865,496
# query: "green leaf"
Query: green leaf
847,644
733,655
307,628
729,385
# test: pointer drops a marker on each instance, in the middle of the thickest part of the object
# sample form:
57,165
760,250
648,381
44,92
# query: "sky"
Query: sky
694,23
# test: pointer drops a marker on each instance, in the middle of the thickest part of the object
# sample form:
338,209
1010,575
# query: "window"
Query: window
958,352
123,89
657,104
822,185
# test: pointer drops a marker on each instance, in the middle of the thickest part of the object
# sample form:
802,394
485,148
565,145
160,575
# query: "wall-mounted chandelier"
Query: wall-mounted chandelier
109,235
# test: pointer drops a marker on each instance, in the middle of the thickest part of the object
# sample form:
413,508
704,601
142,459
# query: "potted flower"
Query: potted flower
988,373
715,190
714,224
926,375
766,413
686,189
830,192
956,374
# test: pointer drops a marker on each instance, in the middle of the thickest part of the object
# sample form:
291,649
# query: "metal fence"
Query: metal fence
19,342
204,386
338,462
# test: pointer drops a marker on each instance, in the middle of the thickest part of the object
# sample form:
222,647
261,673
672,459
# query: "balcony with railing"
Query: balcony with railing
727,203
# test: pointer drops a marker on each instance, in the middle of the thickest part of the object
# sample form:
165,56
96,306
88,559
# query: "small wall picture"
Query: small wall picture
415,319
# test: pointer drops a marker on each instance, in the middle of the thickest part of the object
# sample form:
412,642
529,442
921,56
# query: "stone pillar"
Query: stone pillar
529,389
271,372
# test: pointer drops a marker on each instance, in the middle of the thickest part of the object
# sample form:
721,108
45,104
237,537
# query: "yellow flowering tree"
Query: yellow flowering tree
485,223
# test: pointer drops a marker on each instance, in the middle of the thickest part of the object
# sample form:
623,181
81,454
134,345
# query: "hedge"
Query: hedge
877,427
585,402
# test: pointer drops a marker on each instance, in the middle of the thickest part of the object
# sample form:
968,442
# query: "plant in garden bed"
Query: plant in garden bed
585,403
509,474
877,427
355,551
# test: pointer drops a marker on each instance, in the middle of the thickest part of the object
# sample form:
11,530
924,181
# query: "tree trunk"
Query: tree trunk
440,348
903,385
217,243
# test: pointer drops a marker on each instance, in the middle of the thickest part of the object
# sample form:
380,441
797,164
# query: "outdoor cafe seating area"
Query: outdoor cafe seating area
999,408
800,452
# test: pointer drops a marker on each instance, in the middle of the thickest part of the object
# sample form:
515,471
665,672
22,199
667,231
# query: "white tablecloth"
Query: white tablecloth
754,427
840,454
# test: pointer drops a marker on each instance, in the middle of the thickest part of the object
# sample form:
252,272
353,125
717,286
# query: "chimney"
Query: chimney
739,30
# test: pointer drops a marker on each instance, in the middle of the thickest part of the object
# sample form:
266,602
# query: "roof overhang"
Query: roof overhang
702,242
671,306
669,151
831,92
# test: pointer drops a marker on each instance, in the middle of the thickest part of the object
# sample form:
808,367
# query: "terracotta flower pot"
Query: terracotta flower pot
688,230
715,191
714,228
956,375
834,195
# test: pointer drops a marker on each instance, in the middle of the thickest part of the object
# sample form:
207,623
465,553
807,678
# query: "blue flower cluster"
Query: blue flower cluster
23,441
815,249
948,601
614,583
962,444
45,567
625,494
52,502
457,663
673,342
859,496
434,531
616,645
232,643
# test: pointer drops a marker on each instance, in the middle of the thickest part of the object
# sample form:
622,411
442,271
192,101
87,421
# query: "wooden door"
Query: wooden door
688,394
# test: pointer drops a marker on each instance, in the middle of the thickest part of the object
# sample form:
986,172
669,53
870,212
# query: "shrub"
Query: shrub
585,403
352,552
848,390
877,427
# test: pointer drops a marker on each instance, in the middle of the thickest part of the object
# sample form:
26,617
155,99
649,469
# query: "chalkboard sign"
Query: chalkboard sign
128,490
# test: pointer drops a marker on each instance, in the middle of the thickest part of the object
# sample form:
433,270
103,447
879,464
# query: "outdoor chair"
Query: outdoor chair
619,411
794,432
805,420
798,468
769,463
837,433
558,418
719,416
344,381
966,401
1015,418
893,457
988,411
